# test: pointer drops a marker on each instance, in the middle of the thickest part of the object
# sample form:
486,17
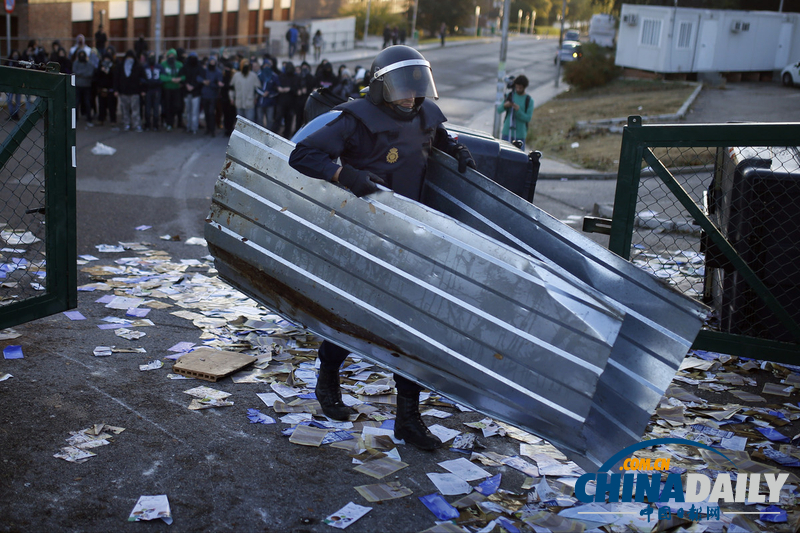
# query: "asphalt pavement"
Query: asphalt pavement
219,471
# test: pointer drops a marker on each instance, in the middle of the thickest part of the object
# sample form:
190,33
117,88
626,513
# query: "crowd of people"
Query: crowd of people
137,91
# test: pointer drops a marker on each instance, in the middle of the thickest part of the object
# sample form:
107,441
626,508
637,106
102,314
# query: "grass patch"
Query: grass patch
553,127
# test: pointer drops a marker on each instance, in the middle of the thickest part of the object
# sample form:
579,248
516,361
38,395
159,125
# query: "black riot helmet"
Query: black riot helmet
400,72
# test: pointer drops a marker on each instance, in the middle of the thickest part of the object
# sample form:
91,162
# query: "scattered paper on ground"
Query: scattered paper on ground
151,508
346,515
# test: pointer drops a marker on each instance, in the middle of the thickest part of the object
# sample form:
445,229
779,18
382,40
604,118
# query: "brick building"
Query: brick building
190,24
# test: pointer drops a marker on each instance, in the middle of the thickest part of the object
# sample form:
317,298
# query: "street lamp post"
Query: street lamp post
414,20
501,68
560,40
366,23
158,27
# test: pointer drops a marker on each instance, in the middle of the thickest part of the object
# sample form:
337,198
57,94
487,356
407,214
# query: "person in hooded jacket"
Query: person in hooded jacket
63,61
210,80
191,72
107,101
226,100
152,98
325,76
128,88
80,45
267,93
171,80
346,87
288,88
307,85
244,83
84,73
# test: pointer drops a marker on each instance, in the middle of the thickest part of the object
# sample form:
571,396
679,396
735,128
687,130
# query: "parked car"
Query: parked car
572,35
790,75
570,51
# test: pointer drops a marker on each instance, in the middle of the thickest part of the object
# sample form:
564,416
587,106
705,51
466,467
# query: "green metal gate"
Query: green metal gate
38,269
714,210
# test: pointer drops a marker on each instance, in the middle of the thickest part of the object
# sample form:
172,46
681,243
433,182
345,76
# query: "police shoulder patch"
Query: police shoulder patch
392,156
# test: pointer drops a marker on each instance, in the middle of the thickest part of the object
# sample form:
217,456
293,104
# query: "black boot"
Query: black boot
409,427
329,395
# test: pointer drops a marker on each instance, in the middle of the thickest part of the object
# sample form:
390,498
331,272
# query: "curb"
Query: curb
615,125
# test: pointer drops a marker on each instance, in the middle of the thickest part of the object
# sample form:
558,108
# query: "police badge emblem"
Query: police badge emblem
392,156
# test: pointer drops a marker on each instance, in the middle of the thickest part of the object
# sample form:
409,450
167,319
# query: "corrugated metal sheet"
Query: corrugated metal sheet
660,324
514,336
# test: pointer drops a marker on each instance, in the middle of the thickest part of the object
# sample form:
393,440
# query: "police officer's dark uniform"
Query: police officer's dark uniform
381,142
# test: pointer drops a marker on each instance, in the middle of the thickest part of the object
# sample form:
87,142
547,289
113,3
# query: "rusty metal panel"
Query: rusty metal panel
660,323
511,333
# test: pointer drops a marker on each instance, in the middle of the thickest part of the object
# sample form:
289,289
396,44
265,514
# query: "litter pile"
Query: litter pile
465,491
80,442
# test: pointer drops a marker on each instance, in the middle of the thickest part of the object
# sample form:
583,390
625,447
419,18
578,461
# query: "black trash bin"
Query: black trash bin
755,201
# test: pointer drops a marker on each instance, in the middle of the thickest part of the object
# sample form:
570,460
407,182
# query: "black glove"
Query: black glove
360,182
464,158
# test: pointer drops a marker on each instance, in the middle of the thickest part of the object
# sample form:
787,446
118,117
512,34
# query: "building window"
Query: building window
684,35
190,31
141,27
232,29
651,32
215,29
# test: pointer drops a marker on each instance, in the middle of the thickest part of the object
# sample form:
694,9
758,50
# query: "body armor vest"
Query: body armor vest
397,150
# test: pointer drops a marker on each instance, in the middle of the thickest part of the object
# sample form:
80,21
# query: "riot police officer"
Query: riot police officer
383,139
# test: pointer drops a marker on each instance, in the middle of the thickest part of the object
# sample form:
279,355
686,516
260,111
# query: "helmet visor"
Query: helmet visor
412,81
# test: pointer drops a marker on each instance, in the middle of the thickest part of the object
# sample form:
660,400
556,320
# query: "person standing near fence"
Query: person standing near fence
288,87
84,73
152,99
442,32
267,92
80,45
317,41
100,40
245,83
128,88
107,102
190,72
171,87
211,83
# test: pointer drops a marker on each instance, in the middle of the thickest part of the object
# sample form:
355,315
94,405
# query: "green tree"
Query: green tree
379,16
454,13
543,9
579,10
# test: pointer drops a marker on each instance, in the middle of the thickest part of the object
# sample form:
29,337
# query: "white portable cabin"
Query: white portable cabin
690,40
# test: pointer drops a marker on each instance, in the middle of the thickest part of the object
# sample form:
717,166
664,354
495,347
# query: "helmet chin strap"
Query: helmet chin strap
406,113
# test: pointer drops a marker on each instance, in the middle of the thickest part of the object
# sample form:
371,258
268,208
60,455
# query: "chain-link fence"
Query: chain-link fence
715,212
22,193
37,190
